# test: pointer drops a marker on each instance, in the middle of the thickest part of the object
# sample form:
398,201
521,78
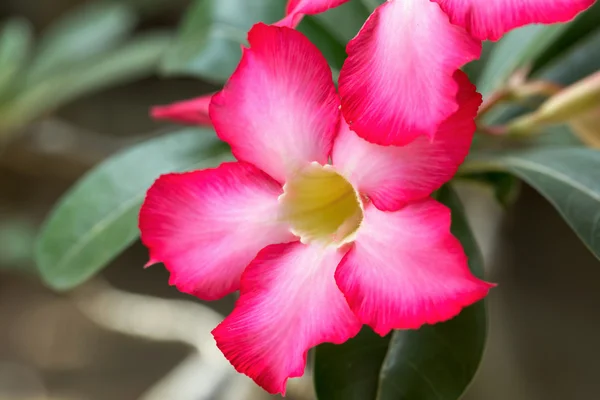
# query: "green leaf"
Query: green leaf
85,32
344,22
350,371
135,60
569,178
516,49
578,62
437,362
208,42
585,24
97,218
333,50
15,43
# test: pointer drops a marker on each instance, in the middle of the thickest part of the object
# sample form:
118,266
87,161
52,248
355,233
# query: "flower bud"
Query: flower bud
575,100
569,104
587,127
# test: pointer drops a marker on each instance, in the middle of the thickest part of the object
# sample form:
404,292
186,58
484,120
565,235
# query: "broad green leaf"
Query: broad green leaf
437,362
570,55
516,49
585,24
15,43
344,22
135,60
208,43
372,4
97,218
333,50
569,178
475,68
350,371
85,32
578,62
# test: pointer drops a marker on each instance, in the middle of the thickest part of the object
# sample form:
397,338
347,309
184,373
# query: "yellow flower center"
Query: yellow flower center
321,206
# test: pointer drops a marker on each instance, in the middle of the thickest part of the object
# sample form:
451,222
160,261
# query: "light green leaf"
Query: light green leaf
135,60
208,43
85,32
15,43
97,218
569,178
516,49
437,362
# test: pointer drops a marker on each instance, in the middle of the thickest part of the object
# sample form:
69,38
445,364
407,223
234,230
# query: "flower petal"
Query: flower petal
406,269
490,19
192,112
296,9
397,82
289,302
279,110
206,226
391,176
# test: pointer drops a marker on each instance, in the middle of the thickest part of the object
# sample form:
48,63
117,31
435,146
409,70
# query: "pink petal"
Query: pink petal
192,112
279,110
490,19
296,9
206,226
392,176
397,82
406,269
289,303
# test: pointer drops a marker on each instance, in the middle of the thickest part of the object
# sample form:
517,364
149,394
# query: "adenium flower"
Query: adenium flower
190,112
398,77
320,230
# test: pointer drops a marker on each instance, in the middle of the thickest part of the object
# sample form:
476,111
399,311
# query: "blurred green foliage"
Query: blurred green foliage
89,49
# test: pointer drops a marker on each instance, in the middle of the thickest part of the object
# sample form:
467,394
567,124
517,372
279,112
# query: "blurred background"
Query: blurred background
127,334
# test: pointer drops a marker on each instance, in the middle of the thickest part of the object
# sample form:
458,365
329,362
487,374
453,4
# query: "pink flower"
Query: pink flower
316,249
484,19
398,81
190,112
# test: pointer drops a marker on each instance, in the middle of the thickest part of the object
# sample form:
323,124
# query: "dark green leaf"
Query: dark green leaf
15,43
97,218
135,60
333,50
208,43
516,49
585,24
578,62
87,31
437,362
350,371
474,69
344,21
569,178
